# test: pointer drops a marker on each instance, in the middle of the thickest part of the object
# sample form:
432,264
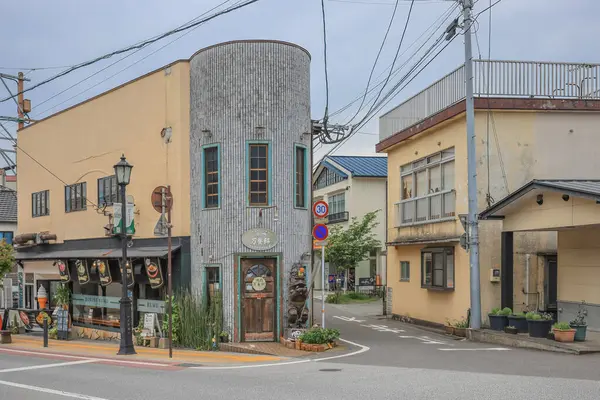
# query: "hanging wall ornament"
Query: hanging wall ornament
83,273
103,272
154,272
130,276
63,270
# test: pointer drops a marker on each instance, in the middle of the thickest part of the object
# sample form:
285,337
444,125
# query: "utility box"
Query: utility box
494,274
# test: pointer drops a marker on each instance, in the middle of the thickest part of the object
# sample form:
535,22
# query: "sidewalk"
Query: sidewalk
108,351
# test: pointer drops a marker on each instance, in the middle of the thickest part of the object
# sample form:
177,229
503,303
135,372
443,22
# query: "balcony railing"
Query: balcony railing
338,217
517,79
435,207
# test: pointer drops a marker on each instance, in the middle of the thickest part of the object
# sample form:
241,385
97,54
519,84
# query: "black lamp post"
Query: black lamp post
123,174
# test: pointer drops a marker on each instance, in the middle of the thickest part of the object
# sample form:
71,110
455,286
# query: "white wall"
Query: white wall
363,195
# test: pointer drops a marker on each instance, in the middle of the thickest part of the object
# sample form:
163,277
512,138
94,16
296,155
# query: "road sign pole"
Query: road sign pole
323,286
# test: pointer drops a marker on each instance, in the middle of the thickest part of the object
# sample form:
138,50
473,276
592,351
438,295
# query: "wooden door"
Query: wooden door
259,281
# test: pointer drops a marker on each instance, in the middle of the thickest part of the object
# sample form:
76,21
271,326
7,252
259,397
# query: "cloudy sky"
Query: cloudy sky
62,33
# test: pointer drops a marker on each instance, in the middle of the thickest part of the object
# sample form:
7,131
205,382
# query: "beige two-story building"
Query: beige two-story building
533,120
67,188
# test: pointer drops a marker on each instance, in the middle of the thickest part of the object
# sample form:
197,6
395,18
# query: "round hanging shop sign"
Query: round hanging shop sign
259,283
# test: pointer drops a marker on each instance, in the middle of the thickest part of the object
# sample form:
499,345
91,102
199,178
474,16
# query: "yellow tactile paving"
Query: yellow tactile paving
104,350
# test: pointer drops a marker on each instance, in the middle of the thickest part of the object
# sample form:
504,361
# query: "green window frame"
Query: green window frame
301,182
210,166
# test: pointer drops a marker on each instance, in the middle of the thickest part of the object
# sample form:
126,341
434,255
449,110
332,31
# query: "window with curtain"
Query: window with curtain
437,268
40,203
108,192
75,197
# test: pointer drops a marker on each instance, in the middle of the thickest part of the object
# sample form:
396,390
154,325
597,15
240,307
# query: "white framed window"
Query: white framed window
427,189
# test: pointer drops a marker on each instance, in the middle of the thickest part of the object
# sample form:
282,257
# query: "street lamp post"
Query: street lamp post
123,174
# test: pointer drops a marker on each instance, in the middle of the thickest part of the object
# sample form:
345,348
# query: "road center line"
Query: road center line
482,349
55,365
50,391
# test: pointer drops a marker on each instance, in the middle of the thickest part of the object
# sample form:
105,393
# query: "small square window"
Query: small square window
404,271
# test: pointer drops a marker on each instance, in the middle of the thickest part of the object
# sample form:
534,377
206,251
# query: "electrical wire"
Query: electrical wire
443,17
387,32
126,68
136,46
326,113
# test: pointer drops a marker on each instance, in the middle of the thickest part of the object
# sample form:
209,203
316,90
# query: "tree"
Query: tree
347,247
7,259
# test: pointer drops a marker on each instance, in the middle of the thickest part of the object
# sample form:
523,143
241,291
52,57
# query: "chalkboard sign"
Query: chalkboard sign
62,324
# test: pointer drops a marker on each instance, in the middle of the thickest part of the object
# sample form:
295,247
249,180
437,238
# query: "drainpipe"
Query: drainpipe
527,261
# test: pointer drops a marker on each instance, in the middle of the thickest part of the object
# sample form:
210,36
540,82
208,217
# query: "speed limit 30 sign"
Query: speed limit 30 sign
320,209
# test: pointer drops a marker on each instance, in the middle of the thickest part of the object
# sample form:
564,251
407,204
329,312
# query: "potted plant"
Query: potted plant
511,329
499,318
62,297
224,337
579,324
563,332
460,327
538,324
519,321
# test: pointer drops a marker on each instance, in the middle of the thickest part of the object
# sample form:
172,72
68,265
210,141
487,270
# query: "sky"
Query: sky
66,32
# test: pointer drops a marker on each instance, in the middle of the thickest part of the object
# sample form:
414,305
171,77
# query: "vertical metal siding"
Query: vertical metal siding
234,88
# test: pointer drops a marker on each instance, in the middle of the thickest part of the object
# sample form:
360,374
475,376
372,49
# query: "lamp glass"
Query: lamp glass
123,171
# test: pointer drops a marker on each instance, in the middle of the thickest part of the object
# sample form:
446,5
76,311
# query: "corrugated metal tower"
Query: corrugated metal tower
247,93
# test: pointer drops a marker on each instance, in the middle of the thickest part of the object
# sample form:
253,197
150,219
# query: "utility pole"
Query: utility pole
20,101
472,225
170,269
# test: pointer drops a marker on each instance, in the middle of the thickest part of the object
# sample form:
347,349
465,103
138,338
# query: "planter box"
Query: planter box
5,337
564,336
539,328
461,332
449,329
518,322
498,322
580,333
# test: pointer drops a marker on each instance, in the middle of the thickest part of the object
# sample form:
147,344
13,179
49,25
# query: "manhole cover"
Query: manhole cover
188,365
330,370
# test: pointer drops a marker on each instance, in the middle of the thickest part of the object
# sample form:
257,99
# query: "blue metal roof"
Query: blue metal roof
365,166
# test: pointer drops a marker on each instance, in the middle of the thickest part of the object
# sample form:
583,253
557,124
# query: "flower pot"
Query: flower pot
449,329
510,329
518,322
498,322
580,331
461,332
564,336
539,328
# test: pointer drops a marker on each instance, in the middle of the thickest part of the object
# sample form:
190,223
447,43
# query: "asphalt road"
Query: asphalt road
414,366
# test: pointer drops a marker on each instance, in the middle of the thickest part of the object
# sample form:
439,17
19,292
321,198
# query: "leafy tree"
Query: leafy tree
347,247
7,259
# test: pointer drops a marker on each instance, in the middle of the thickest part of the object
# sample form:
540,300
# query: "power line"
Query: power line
377,58
487,8
123,69
137,46
374,3
325,116
35,68
396,56
443,17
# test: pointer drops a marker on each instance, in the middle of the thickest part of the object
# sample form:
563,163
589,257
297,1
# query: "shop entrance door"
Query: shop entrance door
258,299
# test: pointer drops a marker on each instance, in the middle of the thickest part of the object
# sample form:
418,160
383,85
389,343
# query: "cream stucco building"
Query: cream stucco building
540,128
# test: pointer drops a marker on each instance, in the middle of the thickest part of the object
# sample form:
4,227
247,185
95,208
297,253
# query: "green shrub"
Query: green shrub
519,314
506,311
535,316
561,326
332,298
357,296
530,315
320,336
461,323
495,311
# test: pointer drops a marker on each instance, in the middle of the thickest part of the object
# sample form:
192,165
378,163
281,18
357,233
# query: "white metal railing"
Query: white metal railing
527,79
435,207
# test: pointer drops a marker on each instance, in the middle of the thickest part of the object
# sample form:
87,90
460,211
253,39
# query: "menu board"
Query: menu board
154,272
63,270
83,274
103,272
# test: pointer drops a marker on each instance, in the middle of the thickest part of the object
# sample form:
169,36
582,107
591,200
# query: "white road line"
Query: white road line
109,360
361,350
51,391
55,365
481,349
